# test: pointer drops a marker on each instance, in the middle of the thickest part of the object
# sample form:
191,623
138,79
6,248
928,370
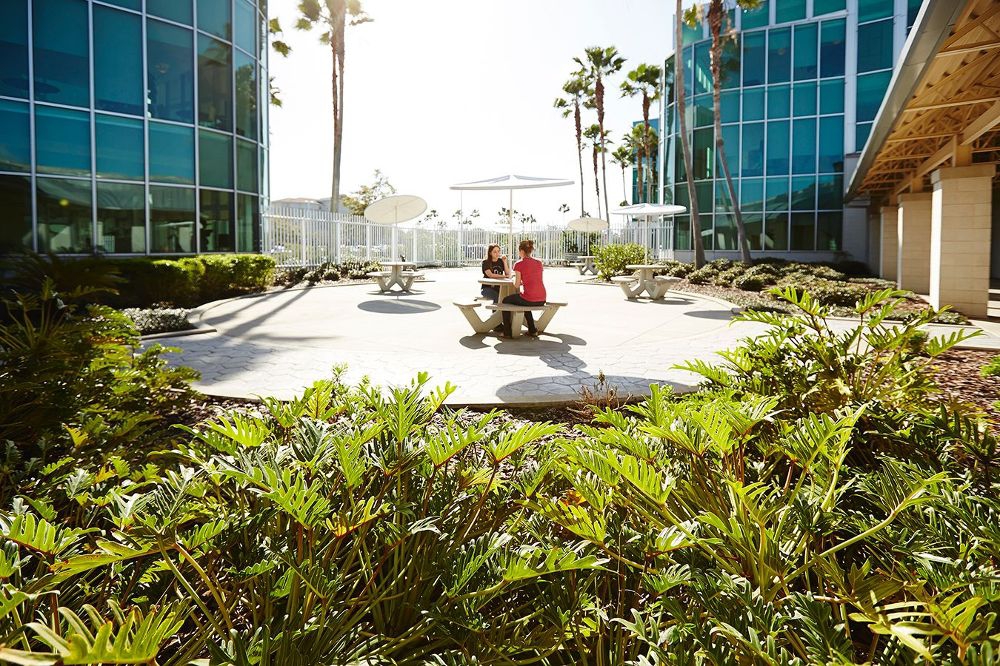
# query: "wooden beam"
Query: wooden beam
971,48
946,153
950,103
981,125
919,137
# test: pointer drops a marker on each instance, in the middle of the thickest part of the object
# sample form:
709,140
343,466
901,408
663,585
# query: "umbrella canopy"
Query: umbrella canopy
588,224
395,209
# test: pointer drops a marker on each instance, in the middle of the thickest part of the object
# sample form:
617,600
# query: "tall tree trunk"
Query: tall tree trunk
599,96
715,12
699,250
597,183
579,147
624,187
645,142
338,20
640,174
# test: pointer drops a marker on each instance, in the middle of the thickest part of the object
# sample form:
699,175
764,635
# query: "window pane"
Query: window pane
117,79
246,166
702,68
827,6
729,71
701,153
804,146
752,194
725,232
690,33
871,90
215,93
776,231
217,227
246,26
752,149
64,215
171,153
753,224
777,147
731,147
730,106
15,202
128,4
119,148
215,159
702,109
831,48
831,192
861,132
121,218
705,198
171,219
754,57
756,18
804,99
829,230
14,49
15,137
214,17
778,101
170,53
912,9
831,144
805,52
62,141
803,193
62,61
706,232
682,232
803,231
175,10
869,10
789,10
723,202
831,96
875,46
779,55
776,194
753,104
248,223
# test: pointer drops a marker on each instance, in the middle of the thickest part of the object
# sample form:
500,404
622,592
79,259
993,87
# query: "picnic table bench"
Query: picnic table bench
480,325
585,264
397,275
643,280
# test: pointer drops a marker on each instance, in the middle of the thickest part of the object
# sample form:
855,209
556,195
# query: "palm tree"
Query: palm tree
331,16
622,156
644,81
593,135
575,88
696,245
600,64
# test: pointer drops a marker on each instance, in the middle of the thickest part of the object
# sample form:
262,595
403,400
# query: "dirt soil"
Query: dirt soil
959,377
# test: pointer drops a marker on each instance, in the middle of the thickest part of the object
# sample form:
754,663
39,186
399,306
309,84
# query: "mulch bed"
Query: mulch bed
959,377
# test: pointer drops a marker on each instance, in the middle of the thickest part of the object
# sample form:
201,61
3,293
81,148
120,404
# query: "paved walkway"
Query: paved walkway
278,343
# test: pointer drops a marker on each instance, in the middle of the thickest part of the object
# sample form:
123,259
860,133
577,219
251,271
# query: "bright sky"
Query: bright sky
455,90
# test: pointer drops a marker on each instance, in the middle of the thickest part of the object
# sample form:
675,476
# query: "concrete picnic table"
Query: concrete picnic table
585,263
395,276
644,280
506,286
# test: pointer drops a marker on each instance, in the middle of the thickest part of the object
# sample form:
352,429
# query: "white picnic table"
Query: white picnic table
644,280
506,286
397,275
480,325
585,263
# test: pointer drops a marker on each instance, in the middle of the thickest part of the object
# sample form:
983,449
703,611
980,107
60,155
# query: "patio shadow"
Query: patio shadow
400,306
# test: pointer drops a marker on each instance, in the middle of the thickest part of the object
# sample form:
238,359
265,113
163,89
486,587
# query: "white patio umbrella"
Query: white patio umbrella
511,183
588,225
394,210
648,210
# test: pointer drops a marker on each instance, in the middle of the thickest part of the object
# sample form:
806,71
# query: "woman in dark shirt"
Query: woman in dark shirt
495,266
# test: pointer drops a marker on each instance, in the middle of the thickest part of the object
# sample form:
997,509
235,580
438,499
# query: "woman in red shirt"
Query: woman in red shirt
528,282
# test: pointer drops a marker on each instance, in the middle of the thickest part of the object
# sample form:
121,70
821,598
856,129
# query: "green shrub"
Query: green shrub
677,268
611,260
234,274
147,282
158,320
991,368
704,275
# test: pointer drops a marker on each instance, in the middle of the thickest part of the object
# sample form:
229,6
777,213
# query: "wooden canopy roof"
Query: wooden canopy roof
943,103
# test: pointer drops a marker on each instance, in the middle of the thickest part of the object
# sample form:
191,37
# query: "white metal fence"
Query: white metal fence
298,237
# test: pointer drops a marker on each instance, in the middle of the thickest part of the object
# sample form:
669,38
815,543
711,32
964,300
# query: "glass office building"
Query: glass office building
132,126
802,81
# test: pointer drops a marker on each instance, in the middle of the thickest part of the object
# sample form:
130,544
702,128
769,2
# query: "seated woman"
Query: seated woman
528,283
495,266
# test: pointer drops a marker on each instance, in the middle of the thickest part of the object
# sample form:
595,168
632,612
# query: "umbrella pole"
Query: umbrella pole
510,220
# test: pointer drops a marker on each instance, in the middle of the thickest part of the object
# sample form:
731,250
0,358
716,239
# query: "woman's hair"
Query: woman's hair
489,250
527,246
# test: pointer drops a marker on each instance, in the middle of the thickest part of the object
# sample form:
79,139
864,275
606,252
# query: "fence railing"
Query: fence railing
299,237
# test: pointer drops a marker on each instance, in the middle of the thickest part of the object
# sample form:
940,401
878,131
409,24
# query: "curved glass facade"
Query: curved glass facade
802,82
132,126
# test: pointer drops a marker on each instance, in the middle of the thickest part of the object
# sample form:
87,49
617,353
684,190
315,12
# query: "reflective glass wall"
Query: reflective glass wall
801,84
132,126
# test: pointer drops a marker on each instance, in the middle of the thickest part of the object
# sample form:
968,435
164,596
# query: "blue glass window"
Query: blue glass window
753,104
215,83
15,202
246,26
247,223
171,153
729,70
803,231
754,57
171,220
702,150
65,219
729,104
778,101
214,17
117,79
805,64
215,159
869,10
789,10
831,192
861,132
831,48
706,231
803,193
722,200
702,109
831,96
827,6
752,194
731,147
777,147
62,58
15,137
831,144
776,231
912,9
217,228
127,4
756,18
875,46
690,33
170,55
682,232
246,166
120,153
776,193
829,231
121,218
725,232
14,50
62,141
702,68
779,55
804,99
871,90
752,149
175,10
804,146
246,96
753,224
